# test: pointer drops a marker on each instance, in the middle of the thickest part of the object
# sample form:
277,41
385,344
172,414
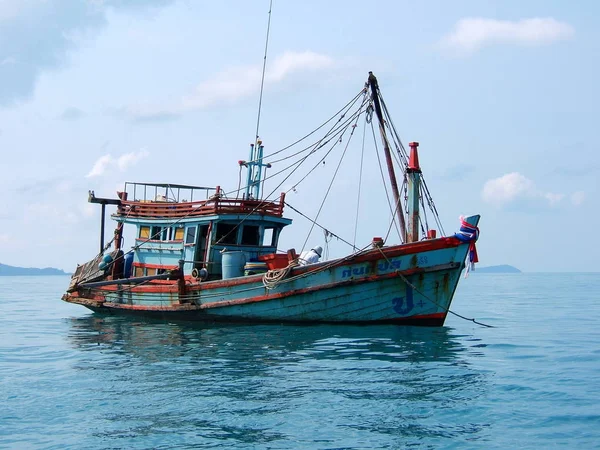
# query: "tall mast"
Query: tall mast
388,155
414,189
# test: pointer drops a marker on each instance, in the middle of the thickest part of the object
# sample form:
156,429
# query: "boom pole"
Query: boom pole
388,155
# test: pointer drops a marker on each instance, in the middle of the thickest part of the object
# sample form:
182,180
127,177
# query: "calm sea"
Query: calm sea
72,379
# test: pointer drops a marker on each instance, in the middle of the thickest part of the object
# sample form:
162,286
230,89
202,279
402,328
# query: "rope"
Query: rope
326,155
360,174
387,194
346,106
320,268
320,226
272,278
404,157
332,180
337,128
298,163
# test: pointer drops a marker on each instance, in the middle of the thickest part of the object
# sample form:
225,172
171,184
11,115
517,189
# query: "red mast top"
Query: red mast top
413,162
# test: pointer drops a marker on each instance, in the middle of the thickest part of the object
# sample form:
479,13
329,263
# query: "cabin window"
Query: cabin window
226,233
144,232
250,235
139,272
179,234
190,236
155,233
269,237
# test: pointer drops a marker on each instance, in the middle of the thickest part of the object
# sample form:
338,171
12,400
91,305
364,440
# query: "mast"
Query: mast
414,188
254,171
388,156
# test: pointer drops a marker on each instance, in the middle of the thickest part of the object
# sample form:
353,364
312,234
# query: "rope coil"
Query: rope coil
272,278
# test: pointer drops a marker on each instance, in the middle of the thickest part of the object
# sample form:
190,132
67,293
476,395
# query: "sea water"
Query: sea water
73,379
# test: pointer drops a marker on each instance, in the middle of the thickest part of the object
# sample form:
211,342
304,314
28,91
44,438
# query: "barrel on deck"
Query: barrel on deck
128,265
232,264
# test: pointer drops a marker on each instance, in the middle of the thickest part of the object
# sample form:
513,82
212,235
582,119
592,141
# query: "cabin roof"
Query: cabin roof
170,185
152,210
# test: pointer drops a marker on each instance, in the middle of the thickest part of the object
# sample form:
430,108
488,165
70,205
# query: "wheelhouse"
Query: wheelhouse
170,229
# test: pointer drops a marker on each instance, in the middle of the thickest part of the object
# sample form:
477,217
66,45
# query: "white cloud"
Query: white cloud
130,159
238,83
515,186
553,198
473,33
577,198
506,188
123,162
291,62
100,166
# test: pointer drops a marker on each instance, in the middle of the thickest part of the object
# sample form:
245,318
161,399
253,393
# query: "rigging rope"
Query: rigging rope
387,194
298,164
334,132
332,180
318,128
360,174
322,227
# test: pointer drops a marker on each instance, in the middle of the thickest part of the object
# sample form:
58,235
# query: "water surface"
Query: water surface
73,379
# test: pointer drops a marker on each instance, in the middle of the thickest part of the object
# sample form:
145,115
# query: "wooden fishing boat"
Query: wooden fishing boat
203,254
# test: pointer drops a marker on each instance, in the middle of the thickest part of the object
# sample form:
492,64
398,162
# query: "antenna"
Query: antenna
262,81
254,165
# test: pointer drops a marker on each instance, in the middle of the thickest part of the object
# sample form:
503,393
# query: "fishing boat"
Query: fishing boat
206,254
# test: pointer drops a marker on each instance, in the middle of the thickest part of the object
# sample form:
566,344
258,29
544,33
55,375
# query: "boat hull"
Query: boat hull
410,284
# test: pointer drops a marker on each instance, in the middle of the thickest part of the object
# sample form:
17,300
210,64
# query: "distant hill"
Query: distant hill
11,271
504,268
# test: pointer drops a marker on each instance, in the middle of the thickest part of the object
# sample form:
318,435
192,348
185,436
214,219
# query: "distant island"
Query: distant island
504,268
11,271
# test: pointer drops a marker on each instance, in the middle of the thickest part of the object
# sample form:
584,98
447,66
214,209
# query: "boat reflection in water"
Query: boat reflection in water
156,340
253,385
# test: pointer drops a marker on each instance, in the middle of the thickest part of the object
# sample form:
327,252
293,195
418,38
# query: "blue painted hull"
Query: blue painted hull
406,284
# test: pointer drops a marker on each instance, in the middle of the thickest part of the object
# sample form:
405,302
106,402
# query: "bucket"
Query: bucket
275,260
254,268
232,264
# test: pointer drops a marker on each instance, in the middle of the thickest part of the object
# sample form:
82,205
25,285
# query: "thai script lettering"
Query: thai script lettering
382,267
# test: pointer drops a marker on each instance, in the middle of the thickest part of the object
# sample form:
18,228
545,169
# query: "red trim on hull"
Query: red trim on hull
426,320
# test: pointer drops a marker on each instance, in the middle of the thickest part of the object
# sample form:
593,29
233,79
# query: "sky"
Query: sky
503,97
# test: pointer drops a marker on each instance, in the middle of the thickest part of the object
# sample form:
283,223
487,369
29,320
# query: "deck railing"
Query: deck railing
212,206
